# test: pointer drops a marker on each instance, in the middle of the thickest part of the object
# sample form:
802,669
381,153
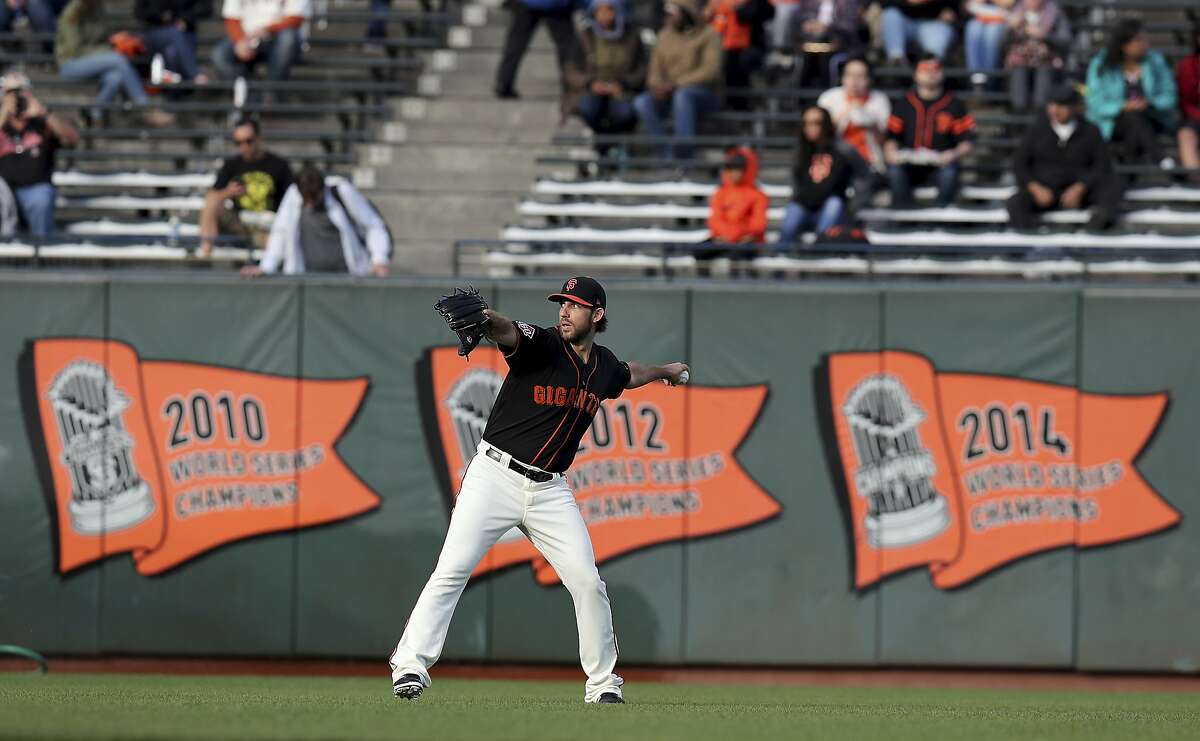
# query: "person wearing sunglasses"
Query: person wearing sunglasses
252,181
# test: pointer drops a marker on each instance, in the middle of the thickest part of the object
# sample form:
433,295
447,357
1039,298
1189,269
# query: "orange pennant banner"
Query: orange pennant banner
963,473
168,460
656,466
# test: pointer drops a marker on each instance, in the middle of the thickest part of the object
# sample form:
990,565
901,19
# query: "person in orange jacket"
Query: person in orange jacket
738,210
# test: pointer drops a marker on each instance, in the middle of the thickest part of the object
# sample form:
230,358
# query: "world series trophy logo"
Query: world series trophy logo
470,404
107,494
895,471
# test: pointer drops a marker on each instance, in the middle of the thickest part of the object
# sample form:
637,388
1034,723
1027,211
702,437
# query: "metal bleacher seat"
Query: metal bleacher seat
128,186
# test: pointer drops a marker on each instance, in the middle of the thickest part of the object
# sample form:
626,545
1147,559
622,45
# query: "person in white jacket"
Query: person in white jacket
859,113
324,225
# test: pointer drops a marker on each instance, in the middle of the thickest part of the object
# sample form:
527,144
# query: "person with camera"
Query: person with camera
29,137
252,181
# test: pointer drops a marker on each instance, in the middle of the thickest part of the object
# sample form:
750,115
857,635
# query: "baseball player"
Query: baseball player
557,379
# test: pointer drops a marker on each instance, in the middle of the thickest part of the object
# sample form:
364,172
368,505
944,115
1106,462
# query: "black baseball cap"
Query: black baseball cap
1064,94
583,291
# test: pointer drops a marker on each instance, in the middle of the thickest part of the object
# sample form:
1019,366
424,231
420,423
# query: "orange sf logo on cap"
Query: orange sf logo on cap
571,285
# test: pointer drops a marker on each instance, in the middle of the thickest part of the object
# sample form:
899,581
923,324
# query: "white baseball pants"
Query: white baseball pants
493,499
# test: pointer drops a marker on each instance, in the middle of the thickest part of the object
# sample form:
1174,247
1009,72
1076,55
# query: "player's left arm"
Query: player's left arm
672,374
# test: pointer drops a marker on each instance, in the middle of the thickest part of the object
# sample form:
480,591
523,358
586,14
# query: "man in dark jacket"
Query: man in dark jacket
525,15
1063,163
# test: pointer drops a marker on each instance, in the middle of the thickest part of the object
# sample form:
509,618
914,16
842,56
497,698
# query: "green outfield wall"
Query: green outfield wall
951,475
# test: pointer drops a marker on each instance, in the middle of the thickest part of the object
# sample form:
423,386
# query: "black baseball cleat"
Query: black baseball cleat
611,698
408,687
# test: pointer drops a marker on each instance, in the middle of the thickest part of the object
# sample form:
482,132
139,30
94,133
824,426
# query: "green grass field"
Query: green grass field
95,706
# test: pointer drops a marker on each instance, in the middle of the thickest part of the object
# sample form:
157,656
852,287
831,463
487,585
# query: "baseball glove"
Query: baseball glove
463,312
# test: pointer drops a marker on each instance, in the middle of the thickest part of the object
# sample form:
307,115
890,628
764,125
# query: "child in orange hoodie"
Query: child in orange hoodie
738,210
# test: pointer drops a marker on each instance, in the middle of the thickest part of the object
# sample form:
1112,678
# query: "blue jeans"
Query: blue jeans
898,30
37,206
903,177
377,28
982,42
281,51
177,46
113,70
685,106
43,15
797,218
606,114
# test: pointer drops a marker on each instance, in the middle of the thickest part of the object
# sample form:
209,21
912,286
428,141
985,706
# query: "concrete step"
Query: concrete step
423,216
457,169
431,132
501,114
532,88
535,64
423,257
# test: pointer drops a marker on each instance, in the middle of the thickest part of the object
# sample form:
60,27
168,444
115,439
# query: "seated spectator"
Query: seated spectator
169,28
685,71
1062,163
826,33
257,31
85,50
32,135
983,37
325,226
820,179
42,14
738,210
615,69
253,181
928,23
524,16
929,131
1131,95
859,113
1187,74
1039,38
743,41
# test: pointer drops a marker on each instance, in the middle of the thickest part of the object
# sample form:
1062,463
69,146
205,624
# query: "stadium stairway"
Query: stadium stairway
454,162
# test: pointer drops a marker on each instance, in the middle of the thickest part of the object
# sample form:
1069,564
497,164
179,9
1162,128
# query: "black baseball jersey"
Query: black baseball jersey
550,396
930,124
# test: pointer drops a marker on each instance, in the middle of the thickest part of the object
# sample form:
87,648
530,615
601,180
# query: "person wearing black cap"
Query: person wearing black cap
557,378
1063,162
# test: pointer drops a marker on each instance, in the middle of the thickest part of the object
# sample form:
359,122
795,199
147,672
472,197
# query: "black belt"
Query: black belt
540,477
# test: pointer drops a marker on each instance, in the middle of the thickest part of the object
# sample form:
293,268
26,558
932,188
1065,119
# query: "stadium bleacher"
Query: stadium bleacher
374,114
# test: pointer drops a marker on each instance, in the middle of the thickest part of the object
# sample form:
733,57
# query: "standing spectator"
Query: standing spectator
929,23
1062,163
859,113
820,179
738,210
325,226
254,181
983,37
169,28
32,135
685,70
1187,74
829,34
1039,38
84,49
929,131
258,30
615,69
743,41
1131,95
523,20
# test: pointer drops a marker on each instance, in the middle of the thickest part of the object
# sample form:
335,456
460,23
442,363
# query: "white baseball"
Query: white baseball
683,377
